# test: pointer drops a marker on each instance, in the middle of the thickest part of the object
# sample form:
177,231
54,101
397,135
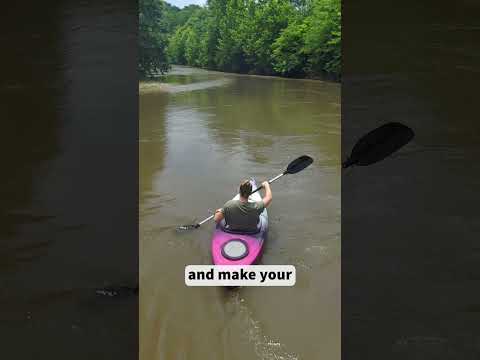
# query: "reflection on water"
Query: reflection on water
196,145
152,140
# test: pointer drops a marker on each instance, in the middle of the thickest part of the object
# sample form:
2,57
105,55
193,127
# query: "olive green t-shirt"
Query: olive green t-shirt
242,216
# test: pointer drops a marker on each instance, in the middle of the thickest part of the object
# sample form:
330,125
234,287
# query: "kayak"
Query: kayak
233,248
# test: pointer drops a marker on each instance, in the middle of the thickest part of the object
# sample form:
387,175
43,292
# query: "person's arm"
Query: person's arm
267,199
218,215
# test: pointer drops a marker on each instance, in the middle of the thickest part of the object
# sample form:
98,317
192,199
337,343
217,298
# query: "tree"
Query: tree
323,37
188,45
263,24
153,33
229,55
289,57
287,37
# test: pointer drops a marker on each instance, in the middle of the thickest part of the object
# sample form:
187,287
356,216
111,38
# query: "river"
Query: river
201,132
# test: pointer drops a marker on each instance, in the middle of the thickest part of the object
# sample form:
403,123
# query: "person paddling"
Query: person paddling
243,215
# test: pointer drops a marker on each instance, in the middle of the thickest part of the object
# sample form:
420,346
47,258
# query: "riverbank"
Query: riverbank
152,86
156,84
316,78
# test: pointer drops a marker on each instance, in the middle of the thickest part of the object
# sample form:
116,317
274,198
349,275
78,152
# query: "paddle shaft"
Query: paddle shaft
257,189
269,181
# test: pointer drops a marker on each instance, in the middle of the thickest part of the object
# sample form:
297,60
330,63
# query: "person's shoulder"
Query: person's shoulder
231,203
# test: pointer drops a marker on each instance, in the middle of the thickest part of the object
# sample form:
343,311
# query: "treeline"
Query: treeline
298,38
158,20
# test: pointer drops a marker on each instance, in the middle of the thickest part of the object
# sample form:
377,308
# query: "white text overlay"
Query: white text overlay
236,275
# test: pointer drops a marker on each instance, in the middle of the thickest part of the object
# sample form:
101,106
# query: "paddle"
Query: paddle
294,167
369,149
379,144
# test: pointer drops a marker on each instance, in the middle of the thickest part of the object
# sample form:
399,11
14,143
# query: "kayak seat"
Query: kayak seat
225,228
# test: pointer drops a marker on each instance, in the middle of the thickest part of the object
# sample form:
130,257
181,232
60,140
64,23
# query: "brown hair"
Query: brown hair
245,188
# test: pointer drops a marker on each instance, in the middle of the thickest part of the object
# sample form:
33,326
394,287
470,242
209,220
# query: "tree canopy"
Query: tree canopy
295,38
152,37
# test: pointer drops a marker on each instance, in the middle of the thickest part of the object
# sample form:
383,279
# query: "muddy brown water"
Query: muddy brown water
202,132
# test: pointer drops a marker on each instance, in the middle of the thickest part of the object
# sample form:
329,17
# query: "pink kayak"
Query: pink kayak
229,248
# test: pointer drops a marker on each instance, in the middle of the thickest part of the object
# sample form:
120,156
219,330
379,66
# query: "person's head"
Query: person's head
245,189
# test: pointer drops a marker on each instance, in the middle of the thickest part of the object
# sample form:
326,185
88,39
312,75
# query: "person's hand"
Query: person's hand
265,184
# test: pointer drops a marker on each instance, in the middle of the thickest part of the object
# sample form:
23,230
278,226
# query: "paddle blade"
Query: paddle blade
298,164
379,144
187,227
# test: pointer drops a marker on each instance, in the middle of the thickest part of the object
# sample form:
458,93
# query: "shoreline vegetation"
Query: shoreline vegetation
299,39
154,83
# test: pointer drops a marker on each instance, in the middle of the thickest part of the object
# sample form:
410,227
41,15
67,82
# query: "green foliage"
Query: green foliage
323,39
299,38
312,44
153,32
289,57
263,27
195,39
177,17
226,24
176,47
188,45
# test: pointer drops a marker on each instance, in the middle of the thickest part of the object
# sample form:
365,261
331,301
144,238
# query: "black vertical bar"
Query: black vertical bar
69,194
